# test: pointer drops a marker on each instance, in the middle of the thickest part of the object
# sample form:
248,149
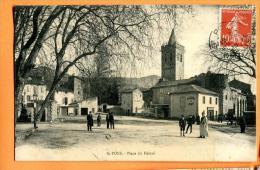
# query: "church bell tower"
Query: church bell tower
172,59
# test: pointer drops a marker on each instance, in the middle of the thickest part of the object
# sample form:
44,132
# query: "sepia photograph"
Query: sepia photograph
135,83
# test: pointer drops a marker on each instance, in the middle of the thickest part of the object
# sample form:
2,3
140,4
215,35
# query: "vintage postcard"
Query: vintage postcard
135,82
132,82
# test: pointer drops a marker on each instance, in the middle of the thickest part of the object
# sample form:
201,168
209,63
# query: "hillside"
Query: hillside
143,82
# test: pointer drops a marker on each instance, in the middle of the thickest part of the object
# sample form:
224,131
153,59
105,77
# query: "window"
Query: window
28,98
203,100
216,101
226,97
180,58
65,100
210,100
35,91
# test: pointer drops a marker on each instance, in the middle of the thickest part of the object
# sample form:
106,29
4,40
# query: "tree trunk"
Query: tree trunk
38,115
18,99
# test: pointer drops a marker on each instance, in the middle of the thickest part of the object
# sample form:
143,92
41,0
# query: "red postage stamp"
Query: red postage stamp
236,28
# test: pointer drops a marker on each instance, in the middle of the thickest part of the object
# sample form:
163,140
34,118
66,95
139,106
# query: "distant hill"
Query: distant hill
143,82
44,75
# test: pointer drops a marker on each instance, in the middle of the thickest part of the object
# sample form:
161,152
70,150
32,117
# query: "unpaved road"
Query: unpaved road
135,139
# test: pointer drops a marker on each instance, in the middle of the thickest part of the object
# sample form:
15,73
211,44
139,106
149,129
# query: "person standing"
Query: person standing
98,120
189,122
111,121
242,124
182,124
90,121
107,120
203,126
198,119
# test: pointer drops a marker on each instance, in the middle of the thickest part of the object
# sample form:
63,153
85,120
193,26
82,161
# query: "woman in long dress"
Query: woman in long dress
203,126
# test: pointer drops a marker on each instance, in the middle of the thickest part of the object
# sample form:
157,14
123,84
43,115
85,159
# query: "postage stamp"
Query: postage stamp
236,27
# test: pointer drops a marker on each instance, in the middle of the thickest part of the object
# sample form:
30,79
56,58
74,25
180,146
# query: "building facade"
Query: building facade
232,96
132,101
172,60
63,98
32,92
193,100
83,107
245,89
81,88
33,95
231,99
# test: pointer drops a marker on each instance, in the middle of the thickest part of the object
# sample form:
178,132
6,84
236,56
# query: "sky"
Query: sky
193,34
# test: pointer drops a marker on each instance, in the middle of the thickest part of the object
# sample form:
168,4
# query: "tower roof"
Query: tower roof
172,38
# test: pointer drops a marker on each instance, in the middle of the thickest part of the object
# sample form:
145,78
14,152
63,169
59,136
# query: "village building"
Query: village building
81,88
32,96
231,99
193,100
83,107
172,59
34,91
172,75
83,102
132,101
245,88
63,98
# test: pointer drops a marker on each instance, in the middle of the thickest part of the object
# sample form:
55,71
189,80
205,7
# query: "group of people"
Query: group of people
231,119
203,122
182,123
109,120
190,121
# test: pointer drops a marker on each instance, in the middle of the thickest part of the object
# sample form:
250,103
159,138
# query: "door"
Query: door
104,108
166,113
84,111
210,113
64,111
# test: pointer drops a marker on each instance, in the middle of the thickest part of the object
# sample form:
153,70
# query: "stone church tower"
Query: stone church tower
172,60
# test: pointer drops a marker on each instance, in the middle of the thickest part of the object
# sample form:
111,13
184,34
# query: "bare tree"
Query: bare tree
234,60
72,33
31,26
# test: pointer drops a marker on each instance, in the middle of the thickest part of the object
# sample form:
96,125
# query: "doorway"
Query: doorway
64,111
84,111
210,113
